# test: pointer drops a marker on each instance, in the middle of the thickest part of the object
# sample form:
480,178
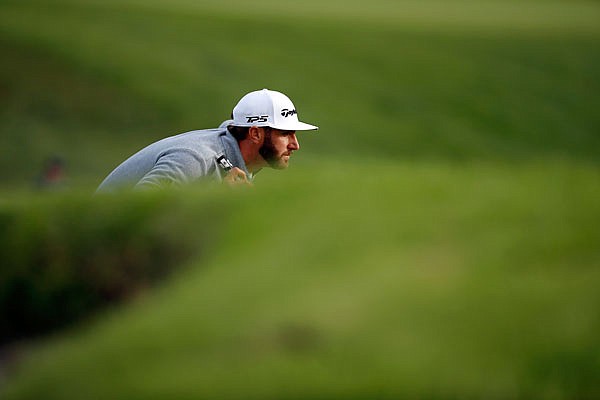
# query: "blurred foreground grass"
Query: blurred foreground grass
418,281
437,238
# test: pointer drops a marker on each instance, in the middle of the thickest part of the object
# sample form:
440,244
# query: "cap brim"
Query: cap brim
296,126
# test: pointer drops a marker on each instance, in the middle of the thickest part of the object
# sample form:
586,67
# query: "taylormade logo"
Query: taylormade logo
257,118
286,113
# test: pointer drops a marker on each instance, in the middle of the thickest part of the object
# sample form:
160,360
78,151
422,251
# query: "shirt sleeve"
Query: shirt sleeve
174,168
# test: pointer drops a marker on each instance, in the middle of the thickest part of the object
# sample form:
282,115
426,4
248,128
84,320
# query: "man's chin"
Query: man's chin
279,164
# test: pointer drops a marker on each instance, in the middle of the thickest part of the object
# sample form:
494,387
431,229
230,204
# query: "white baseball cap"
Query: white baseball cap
268,108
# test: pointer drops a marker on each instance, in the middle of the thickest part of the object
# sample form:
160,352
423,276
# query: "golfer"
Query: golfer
261,134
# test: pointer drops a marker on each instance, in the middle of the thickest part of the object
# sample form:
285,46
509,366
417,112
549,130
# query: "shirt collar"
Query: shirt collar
232,149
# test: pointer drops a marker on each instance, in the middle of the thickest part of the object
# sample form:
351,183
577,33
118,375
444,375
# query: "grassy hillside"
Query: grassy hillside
437,238
469,80
430,282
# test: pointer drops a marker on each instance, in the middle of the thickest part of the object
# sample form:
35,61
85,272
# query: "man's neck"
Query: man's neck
252,158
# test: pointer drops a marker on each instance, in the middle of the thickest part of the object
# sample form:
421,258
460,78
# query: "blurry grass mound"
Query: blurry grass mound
409,281
65,256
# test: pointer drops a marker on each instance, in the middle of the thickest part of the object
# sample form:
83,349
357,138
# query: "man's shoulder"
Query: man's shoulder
204,143
197,139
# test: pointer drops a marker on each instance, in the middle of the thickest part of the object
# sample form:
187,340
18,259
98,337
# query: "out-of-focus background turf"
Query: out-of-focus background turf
436,238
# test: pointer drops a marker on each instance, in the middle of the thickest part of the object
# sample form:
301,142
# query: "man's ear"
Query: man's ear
256,135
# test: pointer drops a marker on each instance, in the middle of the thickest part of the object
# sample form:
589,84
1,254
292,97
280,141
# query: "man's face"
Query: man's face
278,147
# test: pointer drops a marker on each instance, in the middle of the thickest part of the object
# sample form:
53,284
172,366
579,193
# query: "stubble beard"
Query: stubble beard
269,153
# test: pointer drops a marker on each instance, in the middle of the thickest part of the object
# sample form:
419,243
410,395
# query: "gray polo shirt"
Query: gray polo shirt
177,160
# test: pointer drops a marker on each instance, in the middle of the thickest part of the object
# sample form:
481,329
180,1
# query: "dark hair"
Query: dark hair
241,132
238,132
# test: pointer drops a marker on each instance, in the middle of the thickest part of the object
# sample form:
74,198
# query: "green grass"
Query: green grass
437,238
430,282
113,77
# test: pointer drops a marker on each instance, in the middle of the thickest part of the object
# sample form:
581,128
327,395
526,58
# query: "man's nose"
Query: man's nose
293,144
